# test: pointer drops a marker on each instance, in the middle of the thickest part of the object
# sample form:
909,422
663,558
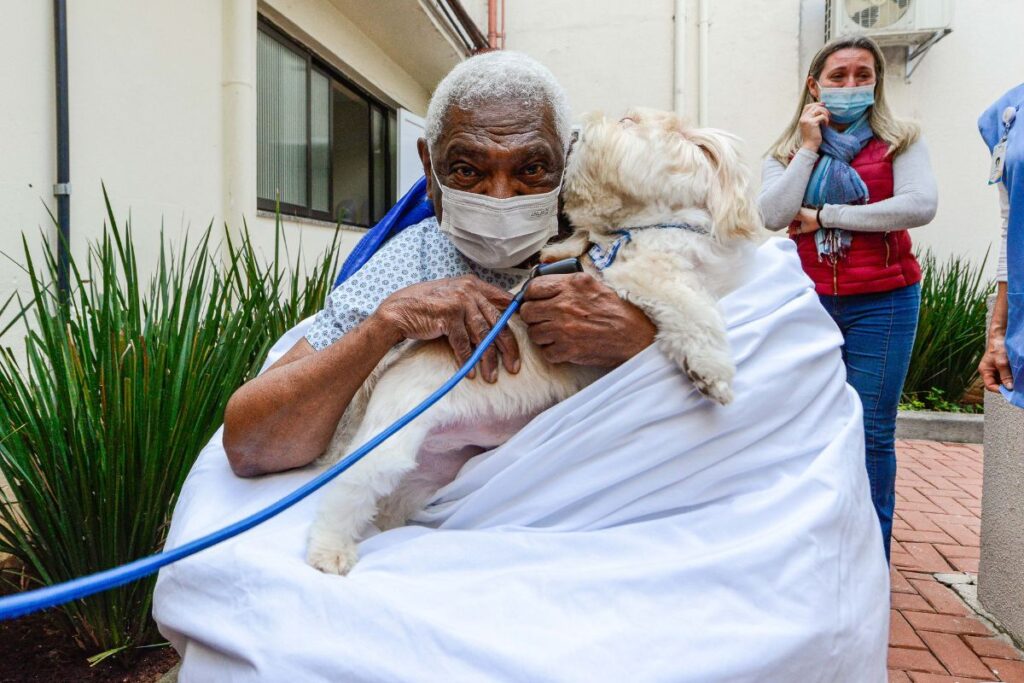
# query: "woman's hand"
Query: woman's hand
808,219
814,116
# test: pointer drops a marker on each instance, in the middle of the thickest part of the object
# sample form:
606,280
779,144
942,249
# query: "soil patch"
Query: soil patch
31,649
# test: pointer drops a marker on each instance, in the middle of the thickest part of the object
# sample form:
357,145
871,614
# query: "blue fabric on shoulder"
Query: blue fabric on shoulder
1005,120
412,208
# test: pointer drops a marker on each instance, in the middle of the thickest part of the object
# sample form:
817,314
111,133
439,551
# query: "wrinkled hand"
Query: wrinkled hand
808,220
813,117
577,319
995,366
463,309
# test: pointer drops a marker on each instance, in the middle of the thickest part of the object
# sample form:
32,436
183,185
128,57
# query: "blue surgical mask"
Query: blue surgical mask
846,105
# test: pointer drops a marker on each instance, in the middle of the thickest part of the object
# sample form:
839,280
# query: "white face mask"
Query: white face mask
498,233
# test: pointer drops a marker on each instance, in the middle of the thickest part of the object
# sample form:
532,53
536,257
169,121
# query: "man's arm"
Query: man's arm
578,319
995,365
286,417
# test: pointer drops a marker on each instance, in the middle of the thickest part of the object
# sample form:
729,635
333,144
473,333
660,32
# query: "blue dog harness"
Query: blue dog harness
603,258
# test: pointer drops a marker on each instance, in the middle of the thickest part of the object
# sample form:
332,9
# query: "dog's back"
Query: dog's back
405,472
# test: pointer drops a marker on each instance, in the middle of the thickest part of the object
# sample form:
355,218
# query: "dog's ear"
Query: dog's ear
587,200
734,212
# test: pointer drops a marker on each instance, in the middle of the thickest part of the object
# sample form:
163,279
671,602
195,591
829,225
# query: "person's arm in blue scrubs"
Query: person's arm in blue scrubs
995,365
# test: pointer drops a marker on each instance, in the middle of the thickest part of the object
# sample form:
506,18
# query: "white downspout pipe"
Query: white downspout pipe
703,78
238,128
679,57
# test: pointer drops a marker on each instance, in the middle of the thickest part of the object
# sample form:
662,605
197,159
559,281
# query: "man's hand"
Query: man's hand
577,319
463,309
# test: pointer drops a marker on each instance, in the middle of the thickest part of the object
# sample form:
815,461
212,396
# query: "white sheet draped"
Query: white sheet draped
631,533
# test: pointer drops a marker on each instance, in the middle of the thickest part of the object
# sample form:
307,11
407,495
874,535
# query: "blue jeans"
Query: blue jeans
878,332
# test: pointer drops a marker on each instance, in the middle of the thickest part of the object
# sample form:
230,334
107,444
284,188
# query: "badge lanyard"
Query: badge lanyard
995,173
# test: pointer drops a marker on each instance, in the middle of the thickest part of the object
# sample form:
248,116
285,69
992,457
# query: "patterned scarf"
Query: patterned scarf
834,181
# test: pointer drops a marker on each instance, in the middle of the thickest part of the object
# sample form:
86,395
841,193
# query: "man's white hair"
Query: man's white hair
499,76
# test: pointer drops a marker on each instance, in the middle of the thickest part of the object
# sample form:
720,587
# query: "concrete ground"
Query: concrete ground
935,635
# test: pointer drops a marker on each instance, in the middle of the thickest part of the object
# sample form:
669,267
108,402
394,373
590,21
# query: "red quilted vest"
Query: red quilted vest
876,261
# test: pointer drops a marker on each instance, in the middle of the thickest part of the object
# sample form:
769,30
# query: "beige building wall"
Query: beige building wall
961,77
145,119
26,121
162,111
753,53
958,79
162,96
611,55
608,54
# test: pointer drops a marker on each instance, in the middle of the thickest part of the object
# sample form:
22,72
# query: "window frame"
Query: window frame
314,62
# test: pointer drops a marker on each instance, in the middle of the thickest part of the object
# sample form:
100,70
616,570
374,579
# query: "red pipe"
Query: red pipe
492,24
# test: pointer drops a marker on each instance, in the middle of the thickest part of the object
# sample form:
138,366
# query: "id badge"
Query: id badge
995,173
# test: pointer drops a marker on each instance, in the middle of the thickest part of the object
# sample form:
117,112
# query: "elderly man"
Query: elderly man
633,532
425,283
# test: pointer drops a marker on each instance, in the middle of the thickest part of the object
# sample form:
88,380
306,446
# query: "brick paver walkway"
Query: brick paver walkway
933,636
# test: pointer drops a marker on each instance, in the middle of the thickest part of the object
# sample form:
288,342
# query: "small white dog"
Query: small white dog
665,212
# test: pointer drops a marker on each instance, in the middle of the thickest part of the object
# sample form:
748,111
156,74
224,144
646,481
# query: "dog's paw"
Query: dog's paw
332,559
712,377
717,391
557,252
571,247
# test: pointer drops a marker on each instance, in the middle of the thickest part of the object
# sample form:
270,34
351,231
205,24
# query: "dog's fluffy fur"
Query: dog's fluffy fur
645,169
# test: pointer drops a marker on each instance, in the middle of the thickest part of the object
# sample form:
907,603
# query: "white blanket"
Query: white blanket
631,533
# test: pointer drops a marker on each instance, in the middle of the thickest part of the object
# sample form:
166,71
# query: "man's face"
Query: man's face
495,149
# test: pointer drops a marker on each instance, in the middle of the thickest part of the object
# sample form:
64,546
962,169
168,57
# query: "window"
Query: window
325,148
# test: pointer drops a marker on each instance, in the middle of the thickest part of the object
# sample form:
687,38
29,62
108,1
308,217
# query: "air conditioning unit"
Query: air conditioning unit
889,22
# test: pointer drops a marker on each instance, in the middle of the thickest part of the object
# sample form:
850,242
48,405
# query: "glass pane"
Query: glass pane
281,122
350,156
320,139
380,166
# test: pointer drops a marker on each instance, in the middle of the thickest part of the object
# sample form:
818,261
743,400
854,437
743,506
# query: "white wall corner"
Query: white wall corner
239,113
812,31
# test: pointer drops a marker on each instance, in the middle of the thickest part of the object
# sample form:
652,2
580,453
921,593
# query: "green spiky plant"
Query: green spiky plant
119,389
950,332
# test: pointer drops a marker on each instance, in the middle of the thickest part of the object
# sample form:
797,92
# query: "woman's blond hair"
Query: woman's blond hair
899,133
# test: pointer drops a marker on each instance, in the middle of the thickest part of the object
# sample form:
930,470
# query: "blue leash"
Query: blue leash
21,604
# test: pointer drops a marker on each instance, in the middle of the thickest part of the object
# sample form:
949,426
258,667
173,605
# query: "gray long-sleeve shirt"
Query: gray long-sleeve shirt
913,203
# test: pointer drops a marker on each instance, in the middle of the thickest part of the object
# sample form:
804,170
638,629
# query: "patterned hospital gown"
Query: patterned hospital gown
419,253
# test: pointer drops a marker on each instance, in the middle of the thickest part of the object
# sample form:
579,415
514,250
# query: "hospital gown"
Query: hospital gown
419,253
